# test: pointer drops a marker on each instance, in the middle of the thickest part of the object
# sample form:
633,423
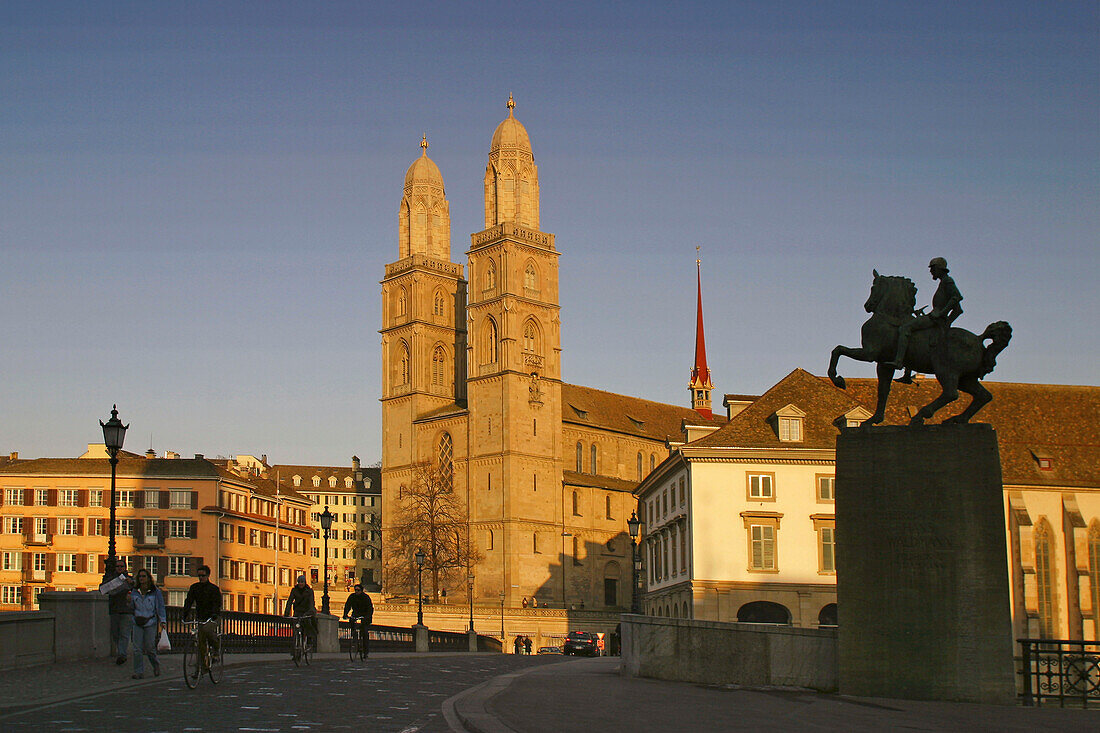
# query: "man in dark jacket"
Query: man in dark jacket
121,611
360,606
301,602
207,600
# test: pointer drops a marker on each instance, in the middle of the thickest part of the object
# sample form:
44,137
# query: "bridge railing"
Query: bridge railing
1062,670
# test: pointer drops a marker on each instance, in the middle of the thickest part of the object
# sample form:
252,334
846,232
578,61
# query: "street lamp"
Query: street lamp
419,556
470,596
502,619
634,525
326,525
114,433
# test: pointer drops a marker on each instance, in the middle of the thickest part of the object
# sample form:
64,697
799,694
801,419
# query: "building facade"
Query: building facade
172,515
473,384
739,522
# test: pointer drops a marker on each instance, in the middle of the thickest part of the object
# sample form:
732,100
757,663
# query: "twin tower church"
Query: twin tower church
472,383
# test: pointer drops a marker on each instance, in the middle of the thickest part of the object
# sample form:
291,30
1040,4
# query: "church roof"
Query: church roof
510,133
630,415
573,478
1057,423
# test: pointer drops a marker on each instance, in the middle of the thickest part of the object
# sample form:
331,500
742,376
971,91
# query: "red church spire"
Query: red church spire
700,385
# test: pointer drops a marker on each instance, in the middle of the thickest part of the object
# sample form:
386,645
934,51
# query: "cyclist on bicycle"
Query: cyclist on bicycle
360,606
207,600
300,603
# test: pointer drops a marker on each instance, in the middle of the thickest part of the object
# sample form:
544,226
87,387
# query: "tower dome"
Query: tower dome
510,133
424,217
424,170
511,177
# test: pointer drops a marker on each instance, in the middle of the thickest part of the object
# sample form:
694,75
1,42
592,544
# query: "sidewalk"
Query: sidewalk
46,684
589,694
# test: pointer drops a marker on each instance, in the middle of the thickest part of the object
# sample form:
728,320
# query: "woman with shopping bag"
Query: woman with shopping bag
150,620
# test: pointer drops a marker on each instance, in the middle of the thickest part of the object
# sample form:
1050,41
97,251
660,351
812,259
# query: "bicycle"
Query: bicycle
360,641
210,661
301,650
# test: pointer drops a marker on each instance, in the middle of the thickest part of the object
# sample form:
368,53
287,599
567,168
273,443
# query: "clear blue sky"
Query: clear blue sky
197,200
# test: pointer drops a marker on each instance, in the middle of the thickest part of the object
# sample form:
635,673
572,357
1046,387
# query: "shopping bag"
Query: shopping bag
163,645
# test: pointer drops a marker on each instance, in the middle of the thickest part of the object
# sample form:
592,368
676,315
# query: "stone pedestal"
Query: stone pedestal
420,637
922,580
82,626
328,633
471,638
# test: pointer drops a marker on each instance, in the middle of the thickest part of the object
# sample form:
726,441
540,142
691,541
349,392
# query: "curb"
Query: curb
468,712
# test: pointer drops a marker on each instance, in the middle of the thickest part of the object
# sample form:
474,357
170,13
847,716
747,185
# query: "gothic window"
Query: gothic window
439,365
607,507
576,505
490,341
1044,579
445,452
1094,574
652,460
488,539
580,457
530,337
639,465
439,305
403,363
593,462
491,276
535,542
402,302
530,278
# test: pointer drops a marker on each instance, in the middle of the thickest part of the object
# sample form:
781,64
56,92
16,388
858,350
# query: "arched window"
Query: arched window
403,362
488,539
439,304
402,302
535,542
491,275
316,482
576,505
580,457
445,452
530,337
297,480
332,482
348,482
490,341
439,366
827,616
530,277
592,465
652,461
686,610
639,465
763,612
1045,579
607,507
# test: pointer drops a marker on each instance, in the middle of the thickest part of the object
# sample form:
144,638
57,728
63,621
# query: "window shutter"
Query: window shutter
28,497
51,526
51,562
139,530
162,569
240,535
82,497
191,565
139,499
80,526
165,497
192,529
194,500
2,497
162,535
51,497
28,561
81,563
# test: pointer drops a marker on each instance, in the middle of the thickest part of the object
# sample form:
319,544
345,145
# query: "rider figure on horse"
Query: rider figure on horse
945,309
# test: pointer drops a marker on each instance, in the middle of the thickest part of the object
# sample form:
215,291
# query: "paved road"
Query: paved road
395,694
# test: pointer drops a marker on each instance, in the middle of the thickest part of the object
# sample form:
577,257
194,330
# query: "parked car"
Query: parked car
549,650
581,642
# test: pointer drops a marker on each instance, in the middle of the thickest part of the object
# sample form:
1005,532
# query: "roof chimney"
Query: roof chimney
198,456
263,459
150,453
15,455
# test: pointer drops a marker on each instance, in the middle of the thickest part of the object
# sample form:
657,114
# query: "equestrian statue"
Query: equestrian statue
897,337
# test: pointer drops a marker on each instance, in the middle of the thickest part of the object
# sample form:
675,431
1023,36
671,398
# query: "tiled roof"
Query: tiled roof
631,415
285,472
262,486
1058,422
445,411
129,466
572,478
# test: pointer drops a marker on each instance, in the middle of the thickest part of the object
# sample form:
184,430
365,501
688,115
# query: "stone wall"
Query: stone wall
718,653
26,638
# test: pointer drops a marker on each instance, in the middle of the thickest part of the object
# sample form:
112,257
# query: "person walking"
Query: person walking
120,609
517,645
149,620
527,645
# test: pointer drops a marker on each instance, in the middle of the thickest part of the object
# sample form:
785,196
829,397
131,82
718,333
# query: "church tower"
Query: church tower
514,364
700,385
423,315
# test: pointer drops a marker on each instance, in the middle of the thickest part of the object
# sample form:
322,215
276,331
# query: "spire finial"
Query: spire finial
511,104
424,143
698,262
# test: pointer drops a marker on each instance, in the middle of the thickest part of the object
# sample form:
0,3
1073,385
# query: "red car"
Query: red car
581,642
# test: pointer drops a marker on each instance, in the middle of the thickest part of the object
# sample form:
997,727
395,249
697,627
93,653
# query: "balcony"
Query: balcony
36,576
37,538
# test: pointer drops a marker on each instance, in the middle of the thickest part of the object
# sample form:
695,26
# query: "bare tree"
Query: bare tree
431,517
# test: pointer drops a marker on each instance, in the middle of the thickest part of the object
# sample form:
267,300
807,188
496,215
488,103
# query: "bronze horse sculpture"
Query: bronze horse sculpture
956,356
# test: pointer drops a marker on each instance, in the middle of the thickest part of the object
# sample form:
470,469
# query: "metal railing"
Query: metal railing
400,639
1062,670
242,633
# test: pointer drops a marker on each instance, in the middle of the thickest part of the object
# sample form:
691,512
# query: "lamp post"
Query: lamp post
470,596
114,433
419,556
634,525
502,619
326,525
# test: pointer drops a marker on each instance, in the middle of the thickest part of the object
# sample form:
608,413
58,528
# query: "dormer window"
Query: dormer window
332,482
297,480
640,424
316,482
582,414
789,424
348,482
854,418
1043,461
